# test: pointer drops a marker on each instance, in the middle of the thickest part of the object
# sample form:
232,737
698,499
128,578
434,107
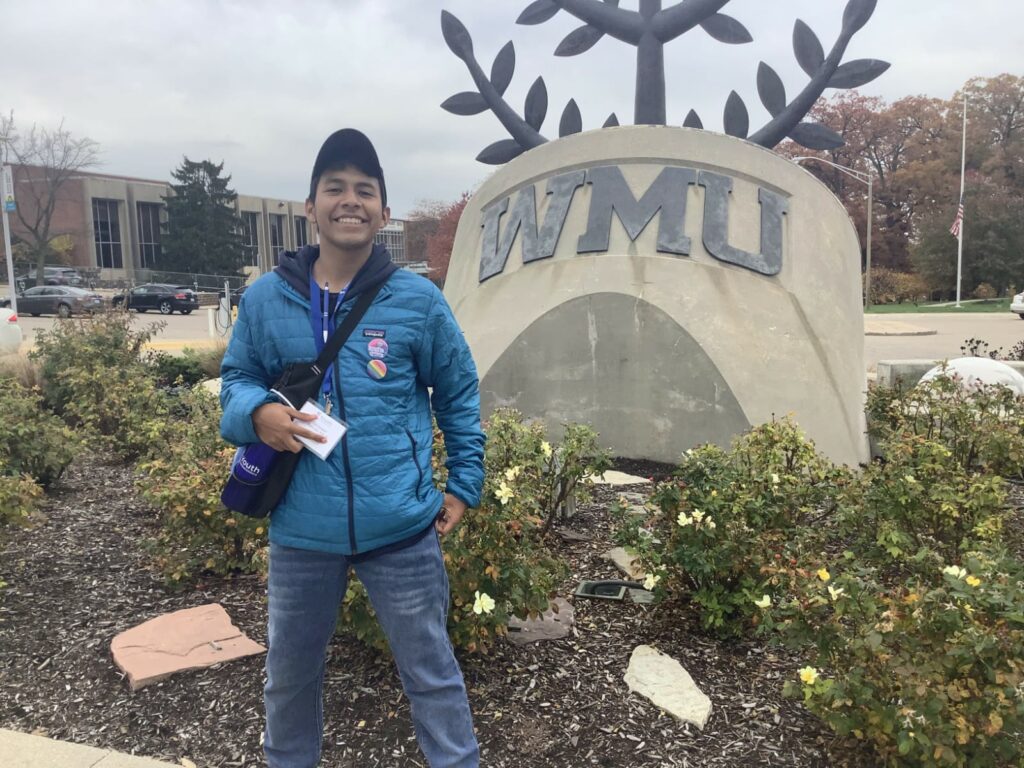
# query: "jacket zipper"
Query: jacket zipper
416,463
345,459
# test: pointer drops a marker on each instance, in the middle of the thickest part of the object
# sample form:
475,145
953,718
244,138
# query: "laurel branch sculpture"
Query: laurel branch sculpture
648,29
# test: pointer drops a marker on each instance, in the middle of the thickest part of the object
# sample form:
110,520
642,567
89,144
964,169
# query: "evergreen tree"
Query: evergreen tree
203,233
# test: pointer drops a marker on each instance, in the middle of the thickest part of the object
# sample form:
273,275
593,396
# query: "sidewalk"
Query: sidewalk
20,750
878,326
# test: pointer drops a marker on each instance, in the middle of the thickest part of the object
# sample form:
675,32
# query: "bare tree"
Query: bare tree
48,159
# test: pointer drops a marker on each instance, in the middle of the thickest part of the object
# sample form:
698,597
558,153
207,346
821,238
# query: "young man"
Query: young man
371,504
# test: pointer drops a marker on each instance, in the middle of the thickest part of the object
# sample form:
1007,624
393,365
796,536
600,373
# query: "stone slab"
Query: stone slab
551,625
909,372
22,750
626,563
668,686
192,638
613,478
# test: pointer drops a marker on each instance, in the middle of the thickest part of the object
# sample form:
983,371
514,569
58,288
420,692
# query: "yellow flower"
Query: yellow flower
483,603
713,493
955,571
973,581
504,493
834,593
808,675
697,515
545,448
684,520
764,602
512,473
651,581
823,574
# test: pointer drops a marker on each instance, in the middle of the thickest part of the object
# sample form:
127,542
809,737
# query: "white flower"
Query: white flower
512,473
955,571
504,493
684,520
710,524
545,448
697,516
483,603
775,478
764,602
835,593
910,478
651,581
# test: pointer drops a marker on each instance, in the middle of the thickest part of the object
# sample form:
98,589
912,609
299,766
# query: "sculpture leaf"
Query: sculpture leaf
465,103
692,120
579,40
536,108
725,29
503,68
500,152
857,14
612,121
456,36
854,74
816,136
571,121
770,89
807,47
538,12
737,121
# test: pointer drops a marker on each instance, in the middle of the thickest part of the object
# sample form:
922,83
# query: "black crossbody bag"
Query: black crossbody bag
298,383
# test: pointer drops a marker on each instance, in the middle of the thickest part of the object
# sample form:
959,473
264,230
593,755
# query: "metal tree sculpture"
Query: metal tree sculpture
648,29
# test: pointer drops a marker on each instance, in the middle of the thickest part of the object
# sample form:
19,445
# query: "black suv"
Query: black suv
159,296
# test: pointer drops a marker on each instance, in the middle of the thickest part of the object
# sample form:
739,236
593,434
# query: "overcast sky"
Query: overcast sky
260,84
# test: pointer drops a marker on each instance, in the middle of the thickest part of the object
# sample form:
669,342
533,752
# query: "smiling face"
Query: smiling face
348,211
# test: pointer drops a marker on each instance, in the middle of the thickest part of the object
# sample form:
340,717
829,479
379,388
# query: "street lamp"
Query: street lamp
864,178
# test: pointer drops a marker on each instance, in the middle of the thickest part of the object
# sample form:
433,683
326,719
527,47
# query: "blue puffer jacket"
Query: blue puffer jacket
376,488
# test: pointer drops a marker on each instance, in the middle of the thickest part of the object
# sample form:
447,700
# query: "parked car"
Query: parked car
10,332
54,276
159,296
62,300
1017,305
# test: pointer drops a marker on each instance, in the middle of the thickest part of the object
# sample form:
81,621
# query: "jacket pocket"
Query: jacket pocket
416,463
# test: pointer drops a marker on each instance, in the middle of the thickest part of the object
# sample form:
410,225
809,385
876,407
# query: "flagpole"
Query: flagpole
960,234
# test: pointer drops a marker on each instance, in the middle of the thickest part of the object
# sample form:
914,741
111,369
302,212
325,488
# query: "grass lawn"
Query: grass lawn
968,305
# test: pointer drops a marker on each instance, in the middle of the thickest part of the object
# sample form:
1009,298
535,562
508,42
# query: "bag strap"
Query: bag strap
340,336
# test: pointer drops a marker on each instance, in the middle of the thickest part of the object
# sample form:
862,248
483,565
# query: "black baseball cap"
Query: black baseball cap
348,147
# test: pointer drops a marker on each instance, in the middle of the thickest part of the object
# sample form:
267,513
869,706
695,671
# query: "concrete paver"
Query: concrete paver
22,750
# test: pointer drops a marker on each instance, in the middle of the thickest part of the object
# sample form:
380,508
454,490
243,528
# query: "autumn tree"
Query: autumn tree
441,242
45,160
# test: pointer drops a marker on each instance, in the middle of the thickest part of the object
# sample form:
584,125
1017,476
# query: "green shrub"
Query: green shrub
727,517
176,370
184,481
498,565
33,441
19,497
929,671
921,504
982,427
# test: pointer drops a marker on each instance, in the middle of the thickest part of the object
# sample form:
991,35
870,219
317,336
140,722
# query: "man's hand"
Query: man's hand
451,513
277,425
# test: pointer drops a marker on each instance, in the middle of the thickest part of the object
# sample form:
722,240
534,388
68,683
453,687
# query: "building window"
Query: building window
393,238
251,237
276,234
300,231
149,234
107,226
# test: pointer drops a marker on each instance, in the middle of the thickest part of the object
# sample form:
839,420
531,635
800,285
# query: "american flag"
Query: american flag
958,221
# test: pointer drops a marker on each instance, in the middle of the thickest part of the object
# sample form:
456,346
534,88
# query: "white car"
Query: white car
10,332
1017,305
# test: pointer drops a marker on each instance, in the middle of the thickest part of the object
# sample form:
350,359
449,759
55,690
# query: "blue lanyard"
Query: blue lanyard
322,320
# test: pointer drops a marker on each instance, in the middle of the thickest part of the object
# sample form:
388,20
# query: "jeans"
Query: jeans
409,593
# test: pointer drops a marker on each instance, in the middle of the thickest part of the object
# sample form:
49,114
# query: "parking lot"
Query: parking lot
948,333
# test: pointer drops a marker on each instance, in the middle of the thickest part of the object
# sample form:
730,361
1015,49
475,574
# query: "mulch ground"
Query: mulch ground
81,575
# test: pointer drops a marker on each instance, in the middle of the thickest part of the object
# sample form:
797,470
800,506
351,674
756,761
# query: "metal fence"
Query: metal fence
96,277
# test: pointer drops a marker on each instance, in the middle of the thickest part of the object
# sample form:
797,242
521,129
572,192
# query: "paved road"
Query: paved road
999,329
